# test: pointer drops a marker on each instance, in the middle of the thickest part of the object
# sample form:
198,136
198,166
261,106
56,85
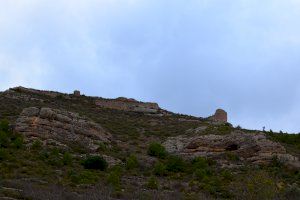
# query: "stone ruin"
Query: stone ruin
76,93
219,116
125,104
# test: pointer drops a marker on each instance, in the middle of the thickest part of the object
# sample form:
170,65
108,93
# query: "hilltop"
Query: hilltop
71,146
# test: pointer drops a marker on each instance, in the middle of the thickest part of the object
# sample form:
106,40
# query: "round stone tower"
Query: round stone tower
76,93
220,115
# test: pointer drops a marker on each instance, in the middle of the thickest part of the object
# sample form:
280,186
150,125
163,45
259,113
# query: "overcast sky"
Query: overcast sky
190,56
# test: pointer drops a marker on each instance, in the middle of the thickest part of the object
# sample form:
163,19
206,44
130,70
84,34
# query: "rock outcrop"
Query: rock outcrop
252,148
34,91
60,128
121,103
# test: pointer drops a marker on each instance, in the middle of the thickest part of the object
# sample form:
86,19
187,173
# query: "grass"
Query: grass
157,150
289,139
147,163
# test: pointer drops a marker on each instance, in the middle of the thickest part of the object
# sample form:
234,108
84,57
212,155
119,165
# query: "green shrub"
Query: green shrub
84,177
18,142
160,169
200,163
4,125
102,147
4,139
224,129
131,162
3,154
36,145
201,174
232,157
227,175
67,158
292,139
54,158
213,185
157,150
292,192
276,162
95,162
114,178
176,164
152,183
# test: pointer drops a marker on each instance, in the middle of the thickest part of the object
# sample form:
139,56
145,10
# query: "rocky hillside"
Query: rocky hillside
70,146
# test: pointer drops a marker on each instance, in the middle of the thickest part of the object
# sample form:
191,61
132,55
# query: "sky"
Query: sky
190,56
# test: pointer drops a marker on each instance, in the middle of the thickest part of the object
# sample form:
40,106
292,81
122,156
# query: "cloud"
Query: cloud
190,56
30,72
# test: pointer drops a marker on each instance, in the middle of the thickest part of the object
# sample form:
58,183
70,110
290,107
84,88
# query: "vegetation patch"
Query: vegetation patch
157,150
95,162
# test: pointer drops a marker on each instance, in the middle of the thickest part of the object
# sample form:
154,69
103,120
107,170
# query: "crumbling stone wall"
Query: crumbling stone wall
220,115
127,105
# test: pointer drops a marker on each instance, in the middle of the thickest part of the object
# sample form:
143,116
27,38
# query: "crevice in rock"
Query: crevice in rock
232,147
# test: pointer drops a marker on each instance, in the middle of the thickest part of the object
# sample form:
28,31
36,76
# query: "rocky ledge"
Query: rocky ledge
233,149
60,128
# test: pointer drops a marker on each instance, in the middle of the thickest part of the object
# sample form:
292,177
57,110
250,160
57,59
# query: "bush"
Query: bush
67,158
176,164
114,178
4,125
4,139
232,157
152,183
36,145
224,129
157,150
160,169
95,162
292,139
131,162
3,154
227,175
202,174
54,158
213,185
84,177
276,163
18,142
102,147
199,163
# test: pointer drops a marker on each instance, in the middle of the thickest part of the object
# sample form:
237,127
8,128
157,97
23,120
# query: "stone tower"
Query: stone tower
77,93
220,115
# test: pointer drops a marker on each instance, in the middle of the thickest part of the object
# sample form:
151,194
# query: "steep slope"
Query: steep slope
53,138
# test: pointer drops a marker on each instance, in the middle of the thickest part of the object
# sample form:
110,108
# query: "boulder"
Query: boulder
31,112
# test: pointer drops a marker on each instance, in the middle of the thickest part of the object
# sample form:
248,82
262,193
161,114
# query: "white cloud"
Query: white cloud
29,72
131,47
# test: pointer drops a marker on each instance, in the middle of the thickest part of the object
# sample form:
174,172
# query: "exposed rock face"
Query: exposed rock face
121,103
60,128
12,94
125,104
251,148
220,115
33,91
